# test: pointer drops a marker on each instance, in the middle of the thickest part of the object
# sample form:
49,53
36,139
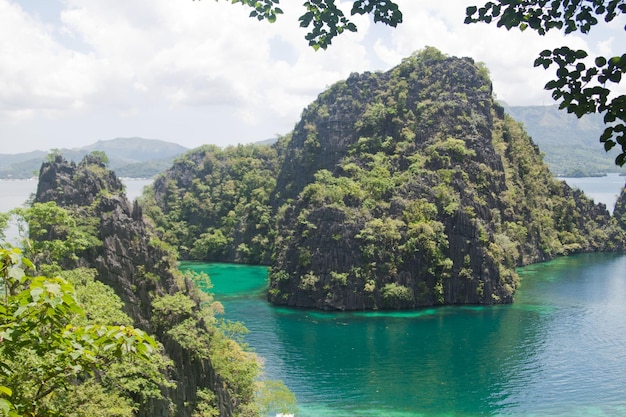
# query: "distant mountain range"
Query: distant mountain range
128,157
571,145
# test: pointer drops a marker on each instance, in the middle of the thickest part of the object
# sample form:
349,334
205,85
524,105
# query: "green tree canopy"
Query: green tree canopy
100,156
43,352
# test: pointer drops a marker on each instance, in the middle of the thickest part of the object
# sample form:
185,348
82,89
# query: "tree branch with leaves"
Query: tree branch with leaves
582,85
42,351
324,19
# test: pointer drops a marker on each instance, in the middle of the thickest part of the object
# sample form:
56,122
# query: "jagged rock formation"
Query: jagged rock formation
412,188
138,270
395,190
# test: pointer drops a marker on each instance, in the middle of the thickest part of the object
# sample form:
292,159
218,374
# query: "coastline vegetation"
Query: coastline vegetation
72,345
394,190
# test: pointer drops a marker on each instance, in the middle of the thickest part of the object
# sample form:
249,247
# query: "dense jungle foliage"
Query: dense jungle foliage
65,349
105,272
214,204
397,189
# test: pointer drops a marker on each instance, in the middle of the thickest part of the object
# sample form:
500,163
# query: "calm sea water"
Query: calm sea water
600,189
559,350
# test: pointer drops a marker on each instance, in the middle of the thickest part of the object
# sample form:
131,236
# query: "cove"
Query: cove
559,350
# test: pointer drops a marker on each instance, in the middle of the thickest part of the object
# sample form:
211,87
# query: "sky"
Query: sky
73,72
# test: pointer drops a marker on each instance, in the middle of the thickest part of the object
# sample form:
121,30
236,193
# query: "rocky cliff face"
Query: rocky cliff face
395,190
412,188
136,269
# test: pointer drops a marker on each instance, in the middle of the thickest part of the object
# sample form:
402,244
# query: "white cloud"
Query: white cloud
208,53
36,73
509,55
203,71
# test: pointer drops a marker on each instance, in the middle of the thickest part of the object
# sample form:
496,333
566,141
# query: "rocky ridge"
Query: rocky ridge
130,262
400,189
413,188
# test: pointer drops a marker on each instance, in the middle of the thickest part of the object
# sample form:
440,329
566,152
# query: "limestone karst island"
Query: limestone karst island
396,192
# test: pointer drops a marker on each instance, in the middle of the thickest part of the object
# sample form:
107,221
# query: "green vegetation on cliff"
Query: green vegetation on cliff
83,229
214,204
395,190
620,209
430,196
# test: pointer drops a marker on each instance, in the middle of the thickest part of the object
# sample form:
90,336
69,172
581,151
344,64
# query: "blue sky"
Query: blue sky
73,72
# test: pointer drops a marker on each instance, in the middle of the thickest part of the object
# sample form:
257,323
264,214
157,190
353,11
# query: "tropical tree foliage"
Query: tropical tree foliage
55,234
4,220
583,84
214,204
324,19
43,352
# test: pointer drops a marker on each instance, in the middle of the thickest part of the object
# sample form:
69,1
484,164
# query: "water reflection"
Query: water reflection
559,350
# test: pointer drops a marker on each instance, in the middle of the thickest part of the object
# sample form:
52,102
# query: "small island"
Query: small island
395,190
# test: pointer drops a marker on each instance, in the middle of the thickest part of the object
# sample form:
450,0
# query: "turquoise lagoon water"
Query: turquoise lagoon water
559,350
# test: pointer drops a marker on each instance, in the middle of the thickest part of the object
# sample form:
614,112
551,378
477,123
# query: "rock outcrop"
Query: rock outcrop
137,269
400,189
620,209
413,188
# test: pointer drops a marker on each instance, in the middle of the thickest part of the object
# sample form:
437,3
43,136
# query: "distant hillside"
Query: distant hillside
129,157
570,144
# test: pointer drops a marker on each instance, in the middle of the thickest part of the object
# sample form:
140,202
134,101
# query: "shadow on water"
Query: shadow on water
557,351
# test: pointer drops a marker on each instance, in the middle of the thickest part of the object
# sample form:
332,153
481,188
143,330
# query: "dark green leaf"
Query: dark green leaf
581,54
